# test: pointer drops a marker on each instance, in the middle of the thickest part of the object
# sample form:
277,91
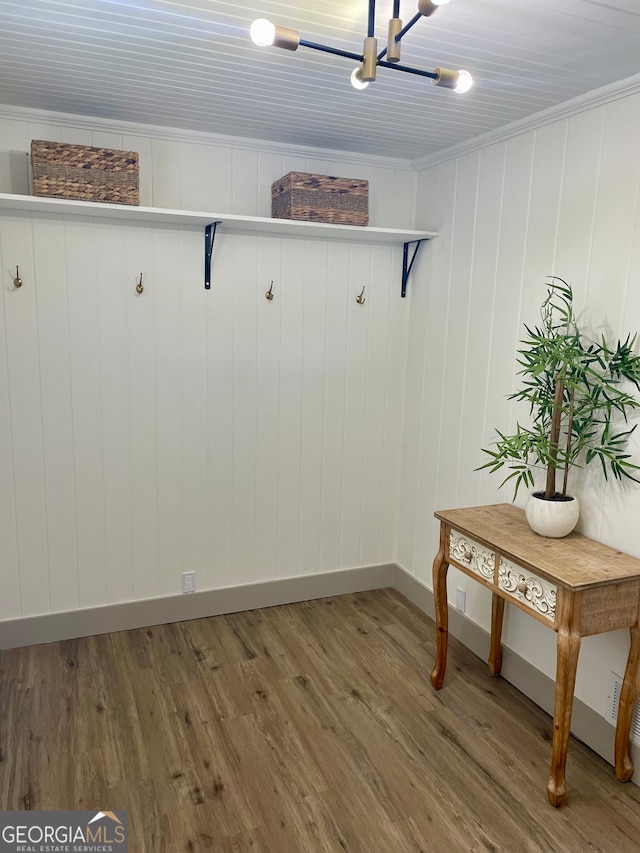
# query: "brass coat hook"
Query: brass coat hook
360,299
17,282
139,286
269,293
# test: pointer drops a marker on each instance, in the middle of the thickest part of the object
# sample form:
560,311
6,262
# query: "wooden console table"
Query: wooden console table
574,585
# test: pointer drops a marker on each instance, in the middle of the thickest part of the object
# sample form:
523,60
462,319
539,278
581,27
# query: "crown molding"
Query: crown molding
14,113
597,97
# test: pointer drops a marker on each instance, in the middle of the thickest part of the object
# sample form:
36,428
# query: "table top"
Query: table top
575,562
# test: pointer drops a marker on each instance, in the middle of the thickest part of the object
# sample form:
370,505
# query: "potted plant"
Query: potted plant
578,407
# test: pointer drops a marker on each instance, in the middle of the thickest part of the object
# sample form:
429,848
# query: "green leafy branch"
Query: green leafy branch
573,387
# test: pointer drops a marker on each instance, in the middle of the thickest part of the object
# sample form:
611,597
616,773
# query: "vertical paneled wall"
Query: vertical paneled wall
560,200
142,435
195,172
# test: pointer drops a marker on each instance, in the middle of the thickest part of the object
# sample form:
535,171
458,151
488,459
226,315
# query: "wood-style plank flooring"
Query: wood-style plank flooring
298,729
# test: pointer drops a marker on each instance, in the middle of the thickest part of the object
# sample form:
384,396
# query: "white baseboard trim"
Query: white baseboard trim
586,724
51,627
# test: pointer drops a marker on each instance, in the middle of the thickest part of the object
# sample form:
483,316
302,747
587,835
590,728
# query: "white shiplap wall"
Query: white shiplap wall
145,435
204,172
564,200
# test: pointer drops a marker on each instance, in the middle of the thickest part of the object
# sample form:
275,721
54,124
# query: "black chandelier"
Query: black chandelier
265,34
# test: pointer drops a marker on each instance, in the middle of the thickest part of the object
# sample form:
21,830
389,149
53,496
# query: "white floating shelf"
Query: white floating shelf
229,222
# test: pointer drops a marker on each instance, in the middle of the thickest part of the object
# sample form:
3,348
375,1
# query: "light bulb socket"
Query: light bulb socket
286,38
393,46
446,78
370,53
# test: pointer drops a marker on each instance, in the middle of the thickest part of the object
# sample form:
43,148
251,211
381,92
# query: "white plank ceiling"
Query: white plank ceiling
190,64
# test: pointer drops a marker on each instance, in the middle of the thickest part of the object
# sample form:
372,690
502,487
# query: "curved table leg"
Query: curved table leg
495,652
568,649
440,567
628,696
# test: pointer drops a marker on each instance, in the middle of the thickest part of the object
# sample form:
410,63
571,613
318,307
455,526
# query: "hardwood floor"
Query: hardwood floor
298,729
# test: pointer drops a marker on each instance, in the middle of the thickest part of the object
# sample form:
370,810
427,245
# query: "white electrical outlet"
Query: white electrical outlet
461,600
188,582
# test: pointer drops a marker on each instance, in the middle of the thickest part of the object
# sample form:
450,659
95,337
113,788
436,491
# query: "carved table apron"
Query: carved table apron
574,585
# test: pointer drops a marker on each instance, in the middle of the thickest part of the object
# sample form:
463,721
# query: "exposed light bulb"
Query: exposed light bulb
262,32
356,79
465,82
428,7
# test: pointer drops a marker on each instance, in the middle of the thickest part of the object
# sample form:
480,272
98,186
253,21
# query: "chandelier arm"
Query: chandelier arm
408,26
402,32
359,57
334,50
372,19
394,65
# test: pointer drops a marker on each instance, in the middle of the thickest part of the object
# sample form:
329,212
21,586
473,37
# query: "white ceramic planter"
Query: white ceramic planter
554,519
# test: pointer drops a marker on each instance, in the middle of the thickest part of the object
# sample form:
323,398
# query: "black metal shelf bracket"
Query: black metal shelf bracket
209,239
408,264
210,236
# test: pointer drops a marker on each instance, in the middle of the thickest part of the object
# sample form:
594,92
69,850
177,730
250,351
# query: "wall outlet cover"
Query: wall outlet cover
188,582
615,686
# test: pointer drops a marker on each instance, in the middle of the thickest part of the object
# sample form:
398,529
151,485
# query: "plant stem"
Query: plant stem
554,438
569,438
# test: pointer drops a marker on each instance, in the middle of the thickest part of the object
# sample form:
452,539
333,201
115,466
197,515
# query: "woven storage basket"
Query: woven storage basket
84,173
320,198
